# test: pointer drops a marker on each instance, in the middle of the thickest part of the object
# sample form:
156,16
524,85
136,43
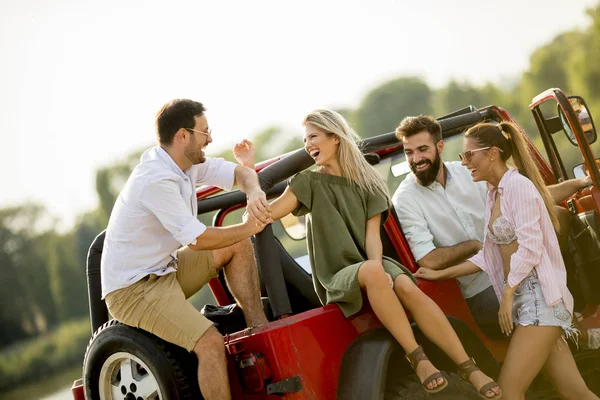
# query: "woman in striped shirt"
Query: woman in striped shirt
522,257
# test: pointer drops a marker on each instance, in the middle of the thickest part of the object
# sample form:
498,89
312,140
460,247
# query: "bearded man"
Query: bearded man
441,211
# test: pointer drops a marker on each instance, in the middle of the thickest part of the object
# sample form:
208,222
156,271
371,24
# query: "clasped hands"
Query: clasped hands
258,211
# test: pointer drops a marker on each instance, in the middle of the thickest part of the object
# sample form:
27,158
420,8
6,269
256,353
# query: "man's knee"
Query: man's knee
243,249
211,342
245,246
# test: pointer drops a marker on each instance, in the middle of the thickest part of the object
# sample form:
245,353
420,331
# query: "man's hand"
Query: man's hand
258,207
244,153
253,224
585,181
429,274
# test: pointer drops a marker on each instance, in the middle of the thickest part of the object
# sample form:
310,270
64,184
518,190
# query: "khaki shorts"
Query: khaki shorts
158,304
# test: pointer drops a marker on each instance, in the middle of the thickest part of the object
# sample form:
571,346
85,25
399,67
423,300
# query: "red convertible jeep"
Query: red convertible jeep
310,351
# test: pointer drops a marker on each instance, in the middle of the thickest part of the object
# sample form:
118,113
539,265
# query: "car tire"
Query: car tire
122,362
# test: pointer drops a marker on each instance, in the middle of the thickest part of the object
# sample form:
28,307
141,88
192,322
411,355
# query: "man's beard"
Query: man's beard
426,177
195,155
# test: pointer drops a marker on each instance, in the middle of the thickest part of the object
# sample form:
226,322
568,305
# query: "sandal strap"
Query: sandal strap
416,357
467,368
487,387
431,378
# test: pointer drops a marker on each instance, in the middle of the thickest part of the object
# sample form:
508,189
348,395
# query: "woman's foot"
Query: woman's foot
431,378
479,380
486,386
425,369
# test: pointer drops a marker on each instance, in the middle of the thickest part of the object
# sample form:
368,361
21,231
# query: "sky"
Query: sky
81,81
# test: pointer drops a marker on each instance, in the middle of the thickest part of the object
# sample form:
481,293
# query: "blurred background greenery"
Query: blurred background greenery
43,292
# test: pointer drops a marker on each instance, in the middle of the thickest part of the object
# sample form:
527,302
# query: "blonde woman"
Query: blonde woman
522,257
346,202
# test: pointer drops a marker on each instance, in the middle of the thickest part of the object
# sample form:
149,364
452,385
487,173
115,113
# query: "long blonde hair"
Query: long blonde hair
511,140
352,161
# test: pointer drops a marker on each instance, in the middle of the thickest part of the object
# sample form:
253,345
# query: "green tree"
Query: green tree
548,66
455,96
384,107
27,304
584,63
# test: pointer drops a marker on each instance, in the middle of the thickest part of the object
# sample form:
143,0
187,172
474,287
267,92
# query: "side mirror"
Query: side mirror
580,171
294,227
584,118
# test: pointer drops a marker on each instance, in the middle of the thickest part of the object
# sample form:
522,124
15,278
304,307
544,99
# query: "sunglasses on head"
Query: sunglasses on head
468,155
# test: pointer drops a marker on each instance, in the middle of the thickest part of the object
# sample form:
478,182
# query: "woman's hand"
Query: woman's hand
428,274
244,153
505,312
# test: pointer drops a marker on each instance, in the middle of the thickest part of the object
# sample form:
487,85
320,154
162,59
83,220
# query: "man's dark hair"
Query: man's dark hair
413,125
176,114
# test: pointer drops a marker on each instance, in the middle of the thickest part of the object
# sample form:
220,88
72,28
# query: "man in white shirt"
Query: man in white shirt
157,254
441,211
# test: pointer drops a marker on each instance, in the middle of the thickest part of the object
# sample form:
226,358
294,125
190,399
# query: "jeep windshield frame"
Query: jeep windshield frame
545,109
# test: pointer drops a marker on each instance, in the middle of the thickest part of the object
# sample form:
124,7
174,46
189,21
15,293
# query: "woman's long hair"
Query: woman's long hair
351,159
511,140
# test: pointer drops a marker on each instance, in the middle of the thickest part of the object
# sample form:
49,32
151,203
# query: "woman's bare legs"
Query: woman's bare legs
435,326
561,368
390,312
528,351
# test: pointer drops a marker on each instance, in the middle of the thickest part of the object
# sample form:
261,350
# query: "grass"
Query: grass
44,356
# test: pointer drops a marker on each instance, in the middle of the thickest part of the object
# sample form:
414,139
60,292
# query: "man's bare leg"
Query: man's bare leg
212,366
241,274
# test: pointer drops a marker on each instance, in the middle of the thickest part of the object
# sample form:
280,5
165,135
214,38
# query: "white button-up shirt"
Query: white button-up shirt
435,216
154,215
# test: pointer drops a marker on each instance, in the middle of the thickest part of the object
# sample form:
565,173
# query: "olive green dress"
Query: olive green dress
337,212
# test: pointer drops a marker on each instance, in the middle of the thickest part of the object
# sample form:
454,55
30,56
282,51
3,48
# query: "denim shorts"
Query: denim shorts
530,308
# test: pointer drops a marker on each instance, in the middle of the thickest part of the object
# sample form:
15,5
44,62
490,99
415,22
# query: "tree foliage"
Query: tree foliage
384,107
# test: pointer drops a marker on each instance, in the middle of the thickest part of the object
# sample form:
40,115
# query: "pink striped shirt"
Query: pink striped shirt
522,205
